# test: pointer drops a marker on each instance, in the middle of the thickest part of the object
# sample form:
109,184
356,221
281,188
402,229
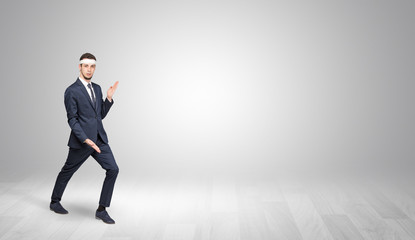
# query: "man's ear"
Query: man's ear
80,67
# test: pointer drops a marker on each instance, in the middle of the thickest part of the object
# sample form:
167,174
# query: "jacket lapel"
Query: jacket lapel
83,90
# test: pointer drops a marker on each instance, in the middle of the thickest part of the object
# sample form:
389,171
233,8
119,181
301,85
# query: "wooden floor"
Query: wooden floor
211,207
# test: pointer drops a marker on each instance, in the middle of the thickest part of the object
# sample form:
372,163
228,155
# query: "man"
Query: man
85,110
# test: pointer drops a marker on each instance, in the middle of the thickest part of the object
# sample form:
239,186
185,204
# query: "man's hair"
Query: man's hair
87,55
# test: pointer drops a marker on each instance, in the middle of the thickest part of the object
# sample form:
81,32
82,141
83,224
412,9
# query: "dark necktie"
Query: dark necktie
94,101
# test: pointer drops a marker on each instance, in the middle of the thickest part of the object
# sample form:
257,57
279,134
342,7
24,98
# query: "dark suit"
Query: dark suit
85,120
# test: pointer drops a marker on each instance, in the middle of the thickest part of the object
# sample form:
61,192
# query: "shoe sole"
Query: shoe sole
57,212
104,221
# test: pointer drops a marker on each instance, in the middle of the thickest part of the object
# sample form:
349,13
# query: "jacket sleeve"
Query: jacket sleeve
105,107
72,114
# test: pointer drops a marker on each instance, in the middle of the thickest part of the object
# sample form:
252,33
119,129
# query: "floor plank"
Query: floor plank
341,227
382,205
305,215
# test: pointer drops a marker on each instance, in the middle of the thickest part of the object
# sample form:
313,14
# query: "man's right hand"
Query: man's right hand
92,144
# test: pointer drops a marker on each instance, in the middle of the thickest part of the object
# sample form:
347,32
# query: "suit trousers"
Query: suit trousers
76,157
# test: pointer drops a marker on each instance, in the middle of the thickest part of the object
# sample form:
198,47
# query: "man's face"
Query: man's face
87,70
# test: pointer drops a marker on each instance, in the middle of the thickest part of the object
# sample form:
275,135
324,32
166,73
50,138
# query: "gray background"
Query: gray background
255,87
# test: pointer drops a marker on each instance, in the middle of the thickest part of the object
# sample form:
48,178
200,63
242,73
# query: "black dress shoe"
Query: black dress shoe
57,208
103,215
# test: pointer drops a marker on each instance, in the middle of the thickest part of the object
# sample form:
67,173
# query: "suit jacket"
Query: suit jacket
84,119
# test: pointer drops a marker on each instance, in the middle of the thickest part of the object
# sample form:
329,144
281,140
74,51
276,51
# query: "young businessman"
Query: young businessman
85,110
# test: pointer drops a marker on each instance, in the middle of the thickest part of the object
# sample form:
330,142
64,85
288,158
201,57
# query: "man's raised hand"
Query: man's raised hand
111,91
